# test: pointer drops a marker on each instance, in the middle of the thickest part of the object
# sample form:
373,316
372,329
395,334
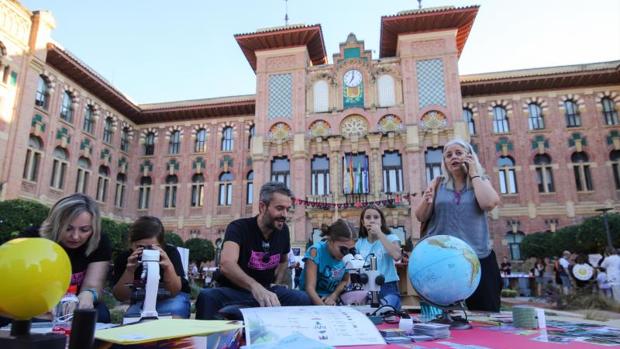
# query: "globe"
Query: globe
444,270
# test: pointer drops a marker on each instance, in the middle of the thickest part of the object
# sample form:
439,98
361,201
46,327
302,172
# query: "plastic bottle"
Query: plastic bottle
63,312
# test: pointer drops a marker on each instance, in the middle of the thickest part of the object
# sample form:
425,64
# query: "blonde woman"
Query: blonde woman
74,222
459,208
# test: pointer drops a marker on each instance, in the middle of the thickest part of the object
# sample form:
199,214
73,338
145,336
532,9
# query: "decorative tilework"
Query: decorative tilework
280,96
431,86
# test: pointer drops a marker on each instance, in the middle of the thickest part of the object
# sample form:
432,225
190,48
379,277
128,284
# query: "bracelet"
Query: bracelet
93,292
472,178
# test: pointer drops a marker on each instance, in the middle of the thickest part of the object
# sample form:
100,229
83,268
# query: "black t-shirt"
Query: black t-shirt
120,263
257,258
80,261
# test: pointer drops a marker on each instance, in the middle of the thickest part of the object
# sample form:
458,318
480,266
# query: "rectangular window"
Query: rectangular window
433,158
320,175
119,199
355,173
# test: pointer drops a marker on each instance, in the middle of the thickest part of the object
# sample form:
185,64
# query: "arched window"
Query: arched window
66,108
200,144
544,173
571,112
514,244
144,192
149,144
59,168
468,117
249,197
280,170
125,139
536,120
227,139
500,120
251,136
170,191
392,172
175,142
581,169
225,193
42,98
198,190
89,119
83,174
33,158
433,158
507,175
320,91
108,130
121,187
102,183
319,168
610,114
385,87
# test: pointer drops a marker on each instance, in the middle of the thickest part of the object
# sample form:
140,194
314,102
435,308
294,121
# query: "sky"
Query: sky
161,50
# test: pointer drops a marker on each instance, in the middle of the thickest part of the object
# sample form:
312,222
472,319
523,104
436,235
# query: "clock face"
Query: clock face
353,78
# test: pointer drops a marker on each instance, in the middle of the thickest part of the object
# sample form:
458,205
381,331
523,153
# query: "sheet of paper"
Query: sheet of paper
163,329
327,324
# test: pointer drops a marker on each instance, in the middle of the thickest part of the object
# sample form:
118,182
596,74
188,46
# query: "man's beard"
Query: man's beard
271,222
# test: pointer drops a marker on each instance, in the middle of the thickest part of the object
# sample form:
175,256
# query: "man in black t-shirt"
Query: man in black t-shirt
254,258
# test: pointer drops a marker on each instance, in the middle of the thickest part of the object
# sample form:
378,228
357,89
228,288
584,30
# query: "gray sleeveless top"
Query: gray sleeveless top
459,215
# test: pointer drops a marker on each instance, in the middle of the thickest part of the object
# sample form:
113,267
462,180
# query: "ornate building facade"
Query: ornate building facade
344,134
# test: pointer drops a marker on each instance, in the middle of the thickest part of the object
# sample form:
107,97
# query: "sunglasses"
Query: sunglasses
345,251
266,253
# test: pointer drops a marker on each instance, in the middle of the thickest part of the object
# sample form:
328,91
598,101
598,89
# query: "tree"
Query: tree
200,250
117,233
564,239
537,245
17,215
173,239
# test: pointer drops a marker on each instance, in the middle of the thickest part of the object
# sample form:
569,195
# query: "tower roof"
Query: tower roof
310,36
426,20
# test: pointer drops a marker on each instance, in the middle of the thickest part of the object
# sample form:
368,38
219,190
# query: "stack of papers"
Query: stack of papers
436,331
394,335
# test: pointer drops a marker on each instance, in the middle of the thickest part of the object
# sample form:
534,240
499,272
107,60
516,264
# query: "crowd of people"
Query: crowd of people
570,272
254,261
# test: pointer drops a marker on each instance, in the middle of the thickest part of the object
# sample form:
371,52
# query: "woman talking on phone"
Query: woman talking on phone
457,204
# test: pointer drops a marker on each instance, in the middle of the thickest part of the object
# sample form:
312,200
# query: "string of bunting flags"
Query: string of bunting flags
357,201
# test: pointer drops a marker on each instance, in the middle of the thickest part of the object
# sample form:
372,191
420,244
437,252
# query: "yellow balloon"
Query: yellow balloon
35,274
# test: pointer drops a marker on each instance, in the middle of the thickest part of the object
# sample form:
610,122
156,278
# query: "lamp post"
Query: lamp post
604,211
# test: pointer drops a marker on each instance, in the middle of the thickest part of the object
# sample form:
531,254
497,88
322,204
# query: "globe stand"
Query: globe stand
456,323
21,338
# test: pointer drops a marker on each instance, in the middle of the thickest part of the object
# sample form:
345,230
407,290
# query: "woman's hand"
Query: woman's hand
470,165
86,300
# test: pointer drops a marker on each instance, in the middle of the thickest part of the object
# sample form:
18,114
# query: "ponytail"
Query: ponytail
339,230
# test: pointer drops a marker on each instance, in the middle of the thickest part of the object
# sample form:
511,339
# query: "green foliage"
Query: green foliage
173,239
536,245
587,237
17,215
117,233
200,250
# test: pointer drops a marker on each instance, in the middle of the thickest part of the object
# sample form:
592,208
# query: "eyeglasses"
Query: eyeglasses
345,251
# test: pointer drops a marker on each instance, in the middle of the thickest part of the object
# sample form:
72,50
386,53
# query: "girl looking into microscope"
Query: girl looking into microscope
148,233
324,276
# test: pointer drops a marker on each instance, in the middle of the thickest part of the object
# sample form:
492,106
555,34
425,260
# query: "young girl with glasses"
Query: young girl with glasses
324,276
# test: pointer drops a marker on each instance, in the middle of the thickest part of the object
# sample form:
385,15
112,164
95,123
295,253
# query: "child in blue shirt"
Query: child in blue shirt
324,276
377,239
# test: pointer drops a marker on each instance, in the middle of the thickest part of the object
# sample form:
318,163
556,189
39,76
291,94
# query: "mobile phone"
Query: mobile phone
465,167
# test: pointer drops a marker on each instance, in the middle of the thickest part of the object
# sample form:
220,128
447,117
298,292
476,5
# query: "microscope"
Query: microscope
365,285
148,290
